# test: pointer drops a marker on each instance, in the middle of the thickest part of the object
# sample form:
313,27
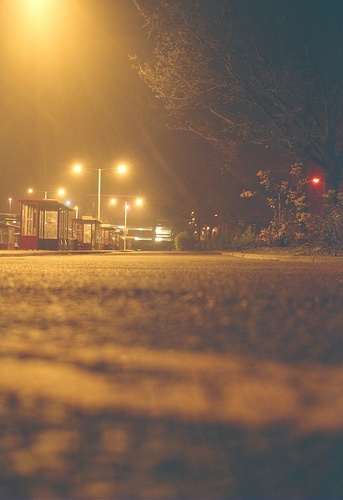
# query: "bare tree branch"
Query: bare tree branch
240,71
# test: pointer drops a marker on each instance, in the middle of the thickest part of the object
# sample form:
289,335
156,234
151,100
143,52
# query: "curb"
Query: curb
284,257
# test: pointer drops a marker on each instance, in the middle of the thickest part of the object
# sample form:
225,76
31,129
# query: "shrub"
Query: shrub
330,234
237,240
292,224
185,241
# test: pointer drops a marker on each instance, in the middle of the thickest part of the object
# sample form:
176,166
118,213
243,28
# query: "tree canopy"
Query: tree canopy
245,71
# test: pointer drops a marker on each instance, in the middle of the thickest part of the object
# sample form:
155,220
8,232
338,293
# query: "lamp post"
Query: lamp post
60,192
139,202
126,207
10,204
121,170
99,193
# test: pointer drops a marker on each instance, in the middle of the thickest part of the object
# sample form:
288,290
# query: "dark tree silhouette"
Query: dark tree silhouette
245,71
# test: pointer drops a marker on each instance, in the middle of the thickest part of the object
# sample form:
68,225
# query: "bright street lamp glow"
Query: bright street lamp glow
77,168
122,169
60,192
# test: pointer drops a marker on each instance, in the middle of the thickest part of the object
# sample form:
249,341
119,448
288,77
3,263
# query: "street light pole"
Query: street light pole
121,170
139,201
10,204
99,193
125,223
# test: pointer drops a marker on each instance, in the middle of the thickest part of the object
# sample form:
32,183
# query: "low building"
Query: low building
44,225
85,234
8,236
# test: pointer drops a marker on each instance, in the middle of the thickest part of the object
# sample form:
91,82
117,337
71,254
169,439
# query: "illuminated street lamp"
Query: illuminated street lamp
60,192
138,202
121,169
318,183
316,191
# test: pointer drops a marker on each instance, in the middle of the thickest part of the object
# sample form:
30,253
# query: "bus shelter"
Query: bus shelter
111,237
7,236
44,225
86,234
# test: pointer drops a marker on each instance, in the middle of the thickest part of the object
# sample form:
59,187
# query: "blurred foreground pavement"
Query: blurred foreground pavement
170,376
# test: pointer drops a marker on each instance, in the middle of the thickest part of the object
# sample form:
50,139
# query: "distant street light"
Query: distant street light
138,202
60,192
318,182
121,169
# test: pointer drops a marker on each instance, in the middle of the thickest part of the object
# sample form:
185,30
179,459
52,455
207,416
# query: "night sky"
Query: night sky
69,95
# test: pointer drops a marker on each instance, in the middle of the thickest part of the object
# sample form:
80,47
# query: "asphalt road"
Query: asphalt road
170,376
